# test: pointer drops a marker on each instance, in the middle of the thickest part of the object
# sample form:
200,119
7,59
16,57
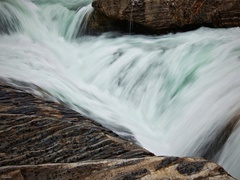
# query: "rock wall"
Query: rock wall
162,16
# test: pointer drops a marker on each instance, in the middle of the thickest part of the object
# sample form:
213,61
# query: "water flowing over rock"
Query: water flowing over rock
162,16
35,132
175,95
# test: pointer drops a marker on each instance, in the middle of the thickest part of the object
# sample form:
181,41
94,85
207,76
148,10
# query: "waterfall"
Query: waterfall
173,94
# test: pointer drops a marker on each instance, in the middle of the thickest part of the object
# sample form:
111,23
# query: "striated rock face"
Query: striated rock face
35,132
140,168
99,23
172,15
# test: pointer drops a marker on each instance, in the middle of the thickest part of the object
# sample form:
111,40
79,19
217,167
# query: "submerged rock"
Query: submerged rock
160,16
36,132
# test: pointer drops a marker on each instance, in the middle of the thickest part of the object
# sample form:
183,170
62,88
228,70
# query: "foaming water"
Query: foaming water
172,93
45,21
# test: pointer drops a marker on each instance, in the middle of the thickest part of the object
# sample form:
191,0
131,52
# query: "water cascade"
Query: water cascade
176,94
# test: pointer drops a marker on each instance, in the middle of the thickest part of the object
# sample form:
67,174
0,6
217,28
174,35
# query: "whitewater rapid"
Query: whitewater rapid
173,94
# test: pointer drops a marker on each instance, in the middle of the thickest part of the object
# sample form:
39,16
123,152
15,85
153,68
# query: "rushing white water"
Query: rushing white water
173,94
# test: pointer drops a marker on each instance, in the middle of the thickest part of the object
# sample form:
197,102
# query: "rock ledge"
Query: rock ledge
161,16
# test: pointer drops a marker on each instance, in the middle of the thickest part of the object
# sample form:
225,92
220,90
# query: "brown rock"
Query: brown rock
12,174
99,23
119,169
172,15
36,132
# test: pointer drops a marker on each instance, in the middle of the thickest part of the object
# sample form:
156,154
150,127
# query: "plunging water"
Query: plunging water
174,94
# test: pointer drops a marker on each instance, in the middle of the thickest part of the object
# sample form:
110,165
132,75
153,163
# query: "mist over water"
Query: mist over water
173,94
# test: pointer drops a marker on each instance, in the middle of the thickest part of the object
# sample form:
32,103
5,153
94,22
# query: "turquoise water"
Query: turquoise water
173,94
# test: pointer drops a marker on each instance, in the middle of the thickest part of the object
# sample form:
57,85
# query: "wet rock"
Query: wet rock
166,162
35,131
190,167
41,139
161,16
99,23
119,169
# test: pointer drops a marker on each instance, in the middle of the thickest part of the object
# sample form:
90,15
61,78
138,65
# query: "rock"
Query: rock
35,131
42,139
160,16
138,168
99,23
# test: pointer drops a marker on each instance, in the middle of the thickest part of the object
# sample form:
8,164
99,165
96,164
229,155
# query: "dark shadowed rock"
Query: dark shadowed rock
99,23
162,16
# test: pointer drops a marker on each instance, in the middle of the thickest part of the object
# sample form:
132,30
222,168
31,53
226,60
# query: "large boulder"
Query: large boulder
42,139
162,16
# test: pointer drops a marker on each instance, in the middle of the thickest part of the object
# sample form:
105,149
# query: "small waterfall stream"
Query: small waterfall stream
173,94
131,18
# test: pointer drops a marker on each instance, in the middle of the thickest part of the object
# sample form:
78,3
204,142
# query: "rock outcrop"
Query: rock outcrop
120,169
160,16
34,131
42,139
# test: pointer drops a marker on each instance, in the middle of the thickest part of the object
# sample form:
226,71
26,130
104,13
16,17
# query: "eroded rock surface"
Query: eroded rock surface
119,169
45,140
35,131
172,15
